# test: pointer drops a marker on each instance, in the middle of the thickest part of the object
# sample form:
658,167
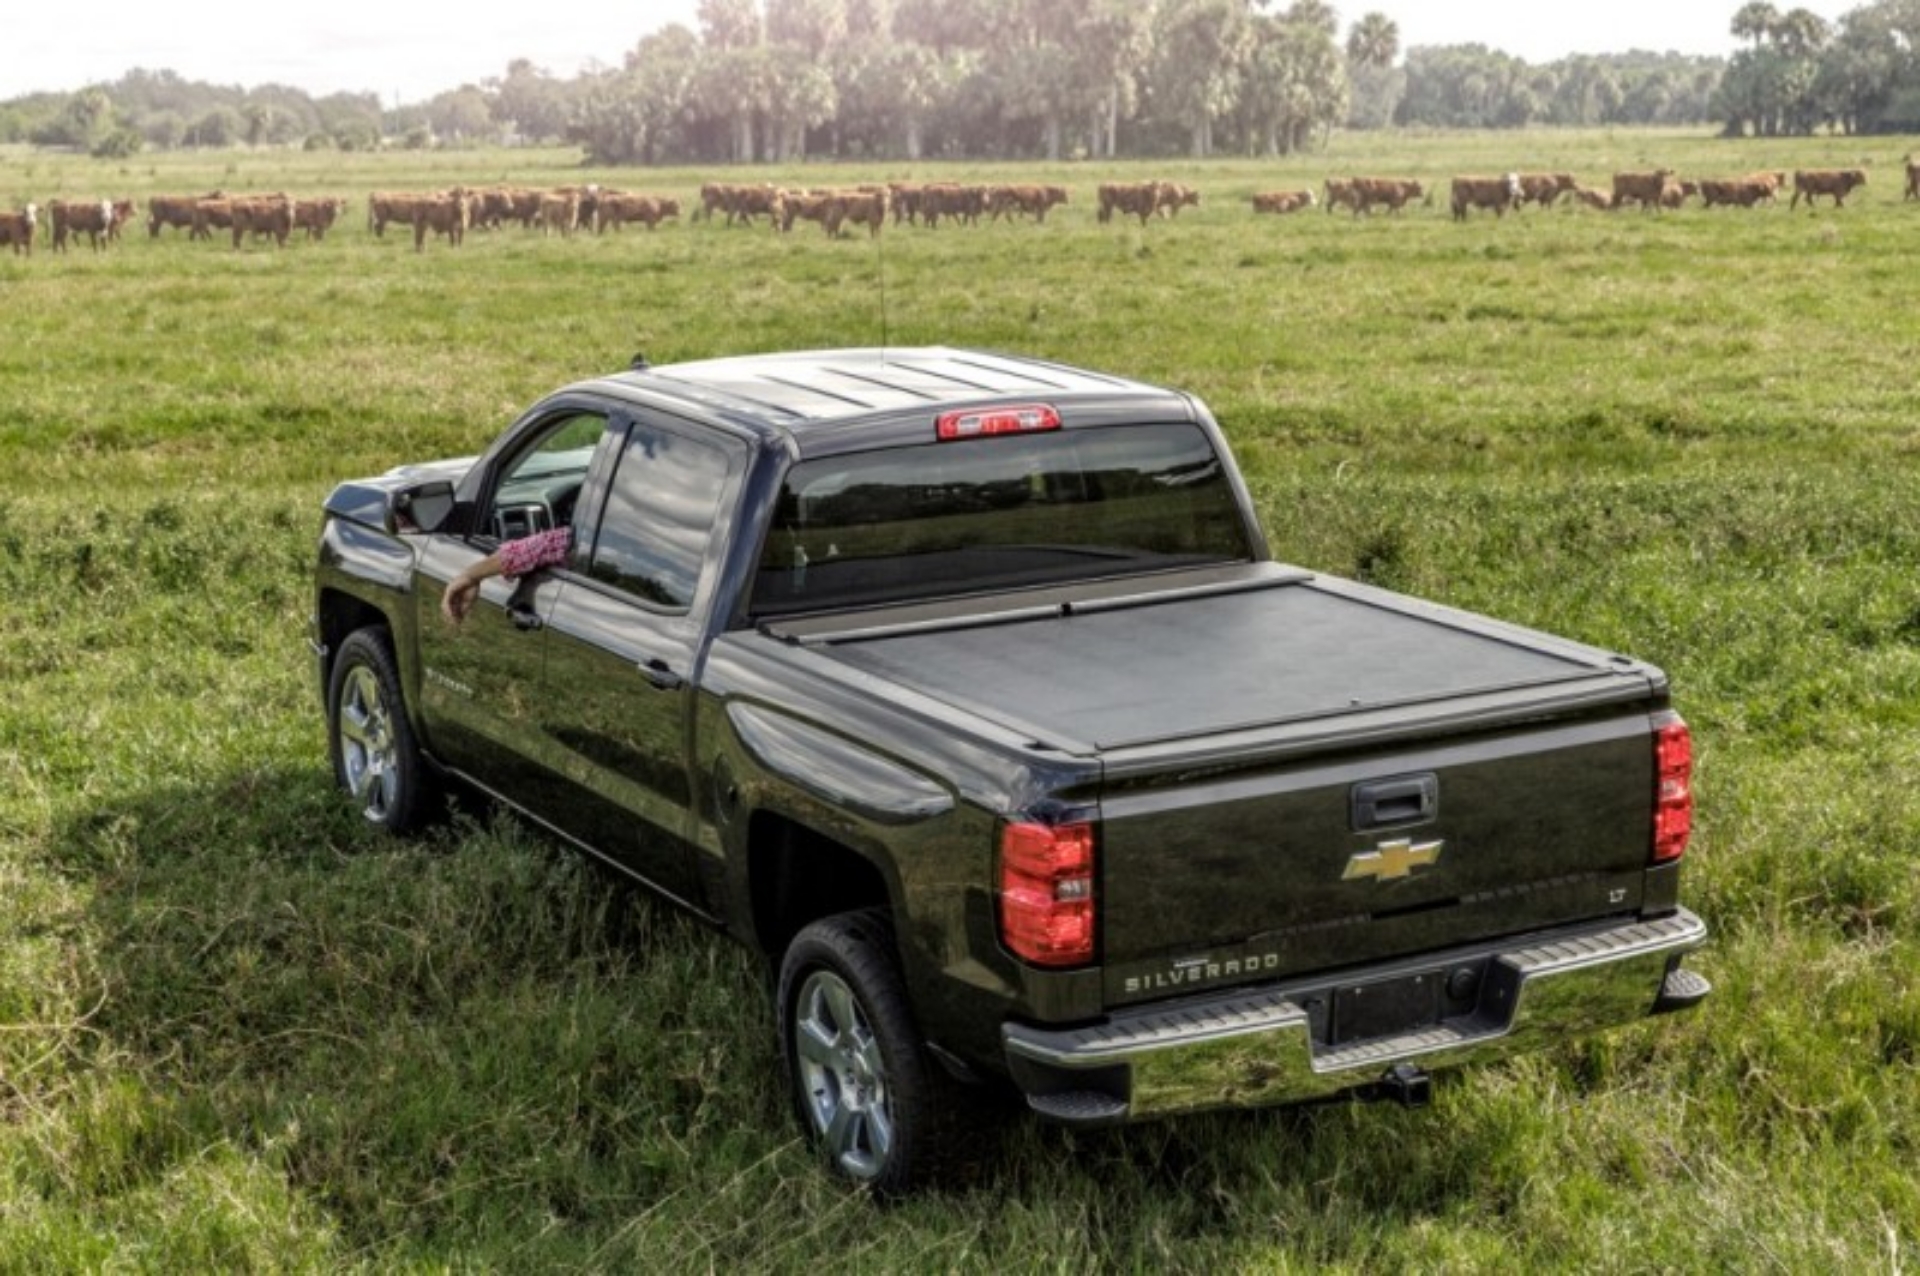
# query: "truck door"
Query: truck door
479,682
624,640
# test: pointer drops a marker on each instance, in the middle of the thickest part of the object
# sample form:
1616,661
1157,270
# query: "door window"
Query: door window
539,487
660,516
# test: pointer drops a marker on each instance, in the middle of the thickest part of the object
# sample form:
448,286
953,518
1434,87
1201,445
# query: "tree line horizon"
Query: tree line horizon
780,81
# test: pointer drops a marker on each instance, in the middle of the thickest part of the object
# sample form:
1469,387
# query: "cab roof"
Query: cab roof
802,391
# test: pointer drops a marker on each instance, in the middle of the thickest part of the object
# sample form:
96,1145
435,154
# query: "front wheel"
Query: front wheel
375,758
866,1092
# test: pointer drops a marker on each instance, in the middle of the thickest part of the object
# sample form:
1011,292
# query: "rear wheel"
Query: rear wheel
867,1094
375,758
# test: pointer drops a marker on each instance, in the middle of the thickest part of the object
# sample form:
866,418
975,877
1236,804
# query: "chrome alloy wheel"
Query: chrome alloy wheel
842,1075
369,754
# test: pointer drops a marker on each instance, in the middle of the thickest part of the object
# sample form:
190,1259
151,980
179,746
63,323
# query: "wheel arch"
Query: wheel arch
797,875
338,614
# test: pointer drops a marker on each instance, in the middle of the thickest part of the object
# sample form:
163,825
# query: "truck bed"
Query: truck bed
1260,731
1251,649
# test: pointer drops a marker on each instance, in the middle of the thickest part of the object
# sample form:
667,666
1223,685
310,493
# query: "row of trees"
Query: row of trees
973,77
780,80
159,109
1798,72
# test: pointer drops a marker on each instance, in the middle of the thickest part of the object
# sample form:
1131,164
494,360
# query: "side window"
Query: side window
659,517
539,487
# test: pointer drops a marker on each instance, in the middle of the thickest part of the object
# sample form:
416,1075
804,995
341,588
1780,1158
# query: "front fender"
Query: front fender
365,576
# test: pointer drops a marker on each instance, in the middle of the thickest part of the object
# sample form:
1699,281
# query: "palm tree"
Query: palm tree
1800,33
1314,14
730,24
1373,41
1375,86
1755,21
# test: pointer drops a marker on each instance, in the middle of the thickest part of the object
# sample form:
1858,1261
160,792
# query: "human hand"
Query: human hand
459,598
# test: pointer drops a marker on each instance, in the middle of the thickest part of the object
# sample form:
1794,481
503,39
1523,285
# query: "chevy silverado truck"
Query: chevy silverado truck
965,689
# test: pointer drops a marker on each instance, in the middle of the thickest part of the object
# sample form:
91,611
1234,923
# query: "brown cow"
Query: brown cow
712,199
952,200
175,211
264,215
124,211
210,215
393,206
1340,193
833,209
748,202
1392,193
17,229
1644,189
800,205
616,209
93,218
1837,182
1736,192
1282,201
1023,200
1142,199
1497,193
559,210
861,208
523,206
1172,197
1675,193
904,197
317,216
446,214
586,206
489,209
1545,188
1593,197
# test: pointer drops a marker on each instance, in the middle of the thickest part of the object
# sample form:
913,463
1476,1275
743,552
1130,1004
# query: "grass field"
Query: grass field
238,1033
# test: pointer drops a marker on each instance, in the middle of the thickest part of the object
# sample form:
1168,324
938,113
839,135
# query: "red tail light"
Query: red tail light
1046,893
1026,418
1673,788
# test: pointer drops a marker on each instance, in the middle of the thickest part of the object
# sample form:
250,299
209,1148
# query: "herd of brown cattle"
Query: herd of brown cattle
565,209
272,216
558,210
1145,199
99,220
1656,189
873,205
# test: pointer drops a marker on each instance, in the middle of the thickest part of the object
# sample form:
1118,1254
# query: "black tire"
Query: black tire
870,1099
371,740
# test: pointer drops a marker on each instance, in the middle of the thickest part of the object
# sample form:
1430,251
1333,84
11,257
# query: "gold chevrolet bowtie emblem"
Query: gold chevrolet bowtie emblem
1393,859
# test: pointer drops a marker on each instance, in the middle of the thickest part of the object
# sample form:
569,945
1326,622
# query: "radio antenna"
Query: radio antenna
880,252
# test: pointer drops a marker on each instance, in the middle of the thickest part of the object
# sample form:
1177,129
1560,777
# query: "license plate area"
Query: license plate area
1385,1008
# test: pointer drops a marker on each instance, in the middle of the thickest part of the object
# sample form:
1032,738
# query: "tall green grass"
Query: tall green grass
236,1032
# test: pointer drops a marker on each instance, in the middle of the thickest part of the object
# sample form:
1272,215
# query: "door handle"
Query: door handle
525,618
656,672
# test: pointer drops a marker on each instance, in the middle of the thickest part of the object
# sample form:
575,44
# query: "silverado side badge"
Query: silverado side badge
1394,859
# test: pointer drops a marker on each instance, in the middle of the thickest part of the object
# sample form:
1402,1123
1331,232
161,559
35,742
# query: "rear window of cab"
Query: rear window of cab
996,512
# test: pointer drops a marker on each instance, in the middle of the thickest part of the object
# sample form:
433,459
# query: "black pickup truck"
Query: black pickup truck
965,689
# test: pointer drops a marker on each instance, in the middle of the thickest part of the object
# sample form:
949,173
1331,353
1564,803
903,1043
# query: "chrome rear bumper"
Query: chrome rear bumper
1265,1045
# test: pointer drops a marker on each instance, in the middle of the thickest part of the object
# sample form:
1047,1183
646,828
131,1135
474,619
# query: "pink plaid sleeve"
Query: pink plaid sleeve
531,553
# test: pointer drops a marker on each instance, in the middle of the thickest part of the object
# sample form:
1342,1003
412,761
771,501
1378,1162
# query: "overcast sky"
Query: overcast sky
409,50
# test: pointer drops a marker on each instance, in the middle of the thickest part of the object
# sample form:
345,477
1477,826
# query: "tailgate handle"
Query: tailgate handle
1405,799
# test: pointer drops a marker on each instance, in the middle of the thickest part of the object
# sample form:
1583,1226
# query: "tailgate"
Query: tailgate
1212,880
